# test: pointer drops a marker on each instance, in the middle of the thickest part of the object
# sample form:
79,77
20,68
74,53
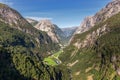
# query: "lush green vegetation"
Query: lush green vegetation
25,67
50,61
100,61
21,57
7,69
53,59
56,55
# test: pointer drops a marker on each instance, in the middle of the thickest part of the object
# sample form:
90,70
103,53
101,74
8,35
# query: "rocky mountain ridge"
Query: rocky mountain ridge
93,52
91,38
32,21
49,28
97,50
15,20
109,10
58,35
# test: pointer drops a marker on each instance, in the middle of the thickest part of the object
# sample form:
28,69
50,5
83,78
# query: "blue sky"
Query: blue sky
64,13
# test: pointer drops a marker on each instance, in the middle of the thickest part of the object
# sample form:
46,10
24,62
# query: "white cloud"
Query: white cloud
6,2
38,18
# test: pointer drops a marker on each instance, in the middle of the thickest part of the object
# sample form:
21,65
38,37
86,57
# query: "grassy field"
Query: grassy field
53,59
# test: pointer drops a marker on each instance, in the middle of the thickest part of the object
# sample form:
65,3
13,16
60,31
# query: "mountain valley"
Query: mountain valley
40,50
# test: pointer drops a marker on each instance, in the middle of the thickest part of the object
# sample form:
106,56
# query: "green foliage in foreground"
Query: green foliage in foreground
7,68
20,57
17,66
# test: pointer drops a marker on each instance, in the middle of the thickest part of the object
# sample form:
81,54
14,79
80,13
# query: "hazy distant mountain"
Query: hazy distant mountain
69,31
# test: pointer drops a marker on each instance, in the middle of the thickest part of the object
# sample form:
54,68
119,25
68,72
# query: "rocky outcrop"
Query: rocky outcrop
91,38
14,19
31,21
85,25
51,29
111,9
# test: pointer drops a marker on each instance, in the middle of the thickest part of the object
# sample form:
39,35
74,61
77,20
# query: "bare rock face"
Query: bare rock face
88,22
32,21
11,16
111,9
49,28
14,19
91,38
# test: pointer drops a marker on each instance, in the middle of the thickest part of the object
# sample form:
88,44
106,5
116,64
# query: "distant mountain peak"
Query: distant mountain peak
69,31
45,25
49,28
46,21
32,21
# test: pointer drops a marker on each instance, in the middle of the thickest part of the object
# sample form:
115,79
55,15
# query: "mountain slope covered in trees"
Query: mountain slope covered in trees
22,49
96,55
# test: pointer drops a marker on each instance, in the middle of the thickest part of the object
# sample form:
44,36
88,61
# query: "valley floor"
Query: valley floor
53,60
